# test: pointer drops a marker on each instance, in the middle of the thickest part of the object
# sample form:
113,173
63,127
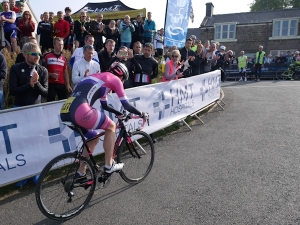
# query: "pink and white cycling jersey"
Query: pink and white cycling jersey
97,86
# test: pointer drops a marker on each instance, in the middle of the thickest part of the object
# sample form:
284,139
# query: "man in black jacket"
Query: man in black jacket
137,35
188,56
148,65
146,71
81,29
96,30
106,54
28,80
3,73
45,28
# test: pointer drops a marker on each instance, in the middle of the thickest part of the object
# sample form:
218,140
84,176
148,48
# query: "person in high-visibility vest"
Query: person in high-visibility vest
259,62
242,65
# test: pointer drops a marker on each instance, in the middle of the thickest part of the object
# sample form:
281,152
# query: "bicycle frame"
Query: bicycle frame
123,134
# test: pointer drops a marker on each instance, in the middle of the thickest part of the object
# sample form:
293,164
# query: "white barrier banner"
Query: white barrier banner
31,137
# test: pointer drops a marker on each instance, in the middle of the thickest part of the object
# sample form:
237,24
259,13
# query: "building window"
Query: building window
285,28
224,31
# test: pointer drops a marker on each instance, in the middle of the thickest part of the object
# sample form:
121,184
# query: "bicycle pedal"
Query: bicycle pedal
103,179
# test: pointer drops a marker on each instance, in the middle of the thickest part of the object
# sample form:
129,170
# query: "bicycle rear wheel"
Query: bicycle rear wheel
58,195
137,154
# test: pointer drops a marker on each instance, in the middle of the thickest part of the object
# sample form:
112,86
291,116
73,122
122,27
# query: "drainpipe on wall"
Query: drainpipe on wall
267,37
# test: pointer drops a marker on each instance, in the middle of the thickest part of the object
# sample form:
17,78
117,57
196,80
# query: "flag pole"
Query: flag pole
166,15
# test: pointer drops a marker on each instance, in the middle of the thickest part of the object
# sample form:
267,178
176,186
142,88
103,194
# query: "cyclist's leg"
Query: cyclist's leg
92,145
92,119
109,139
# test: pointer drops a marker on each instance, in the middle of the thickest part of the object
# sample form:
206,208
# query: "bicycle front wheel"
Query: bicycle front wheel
137,154
58,195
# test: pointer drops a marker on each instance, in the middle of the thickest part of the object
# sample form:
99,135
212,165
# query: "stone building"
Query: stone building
277,30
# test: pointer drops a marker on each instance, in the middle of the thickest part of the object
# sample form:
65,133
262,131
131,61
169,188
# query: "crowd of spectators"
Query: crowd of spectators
95,45
195,58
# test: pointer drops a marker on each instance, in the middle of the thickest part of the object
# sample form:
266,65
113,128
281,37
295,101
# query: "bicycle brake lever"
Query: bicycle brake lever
148,122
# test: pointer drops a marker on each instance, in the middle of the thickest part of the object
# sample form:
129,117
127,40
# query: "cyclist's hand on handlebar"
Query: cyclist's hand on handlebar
145,115
120,116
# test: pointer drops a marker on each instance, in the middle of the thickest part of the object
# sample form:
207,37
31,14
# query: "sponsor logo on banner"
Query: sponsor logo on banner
9,160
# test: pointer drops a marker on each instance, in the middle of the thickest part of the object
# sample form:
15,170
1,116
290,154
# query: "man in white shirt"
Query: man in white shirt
78,52
85,66
159,43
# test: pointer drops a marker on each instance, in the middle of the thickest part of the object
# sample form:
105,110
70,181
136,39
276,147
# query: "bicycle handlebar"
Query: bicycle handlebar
129,116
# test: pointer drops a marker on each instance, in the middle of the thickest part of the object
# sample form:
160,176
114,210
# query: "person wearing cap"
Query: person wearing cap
221,53
194,45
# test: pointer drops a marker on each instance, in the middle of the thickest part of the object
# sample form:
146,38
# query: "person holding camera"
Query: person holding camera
126,57
211,58
126,28
200,60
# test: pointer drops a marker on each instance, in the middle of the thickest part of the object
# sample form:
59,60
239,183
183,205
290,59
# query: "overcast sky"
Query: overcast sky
157,7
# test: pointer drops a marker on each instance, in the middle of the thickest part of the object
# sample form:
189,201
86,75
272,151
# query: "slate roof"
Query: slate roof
193,31
251,17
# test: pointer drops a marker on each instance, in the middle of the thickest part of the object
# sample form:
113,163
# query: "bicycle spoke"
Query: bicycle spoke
59,197
137,156
140,147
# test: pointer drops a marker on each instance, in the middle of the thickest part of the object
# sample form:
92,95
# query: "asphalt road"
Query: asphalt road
240,167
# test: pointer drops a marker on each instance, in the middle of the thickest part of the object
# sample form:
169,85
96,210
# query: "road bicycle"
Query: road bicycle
60,196
288,73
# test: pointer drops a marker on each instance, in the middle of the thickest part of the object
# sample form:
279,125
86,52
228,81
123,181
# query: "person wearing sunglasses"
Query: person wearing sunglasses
28,81
81,29
173,67
26,26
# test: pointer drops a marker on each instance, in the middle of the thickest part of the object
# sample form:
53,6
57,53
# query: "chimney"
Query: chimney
209,9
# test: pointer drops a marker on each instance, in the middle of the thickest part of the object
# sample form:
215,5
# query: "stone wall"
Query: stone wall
249,37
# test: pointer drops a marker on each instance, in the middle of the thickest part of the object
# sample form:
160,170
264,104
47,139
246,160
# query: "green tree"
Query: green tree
259,5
